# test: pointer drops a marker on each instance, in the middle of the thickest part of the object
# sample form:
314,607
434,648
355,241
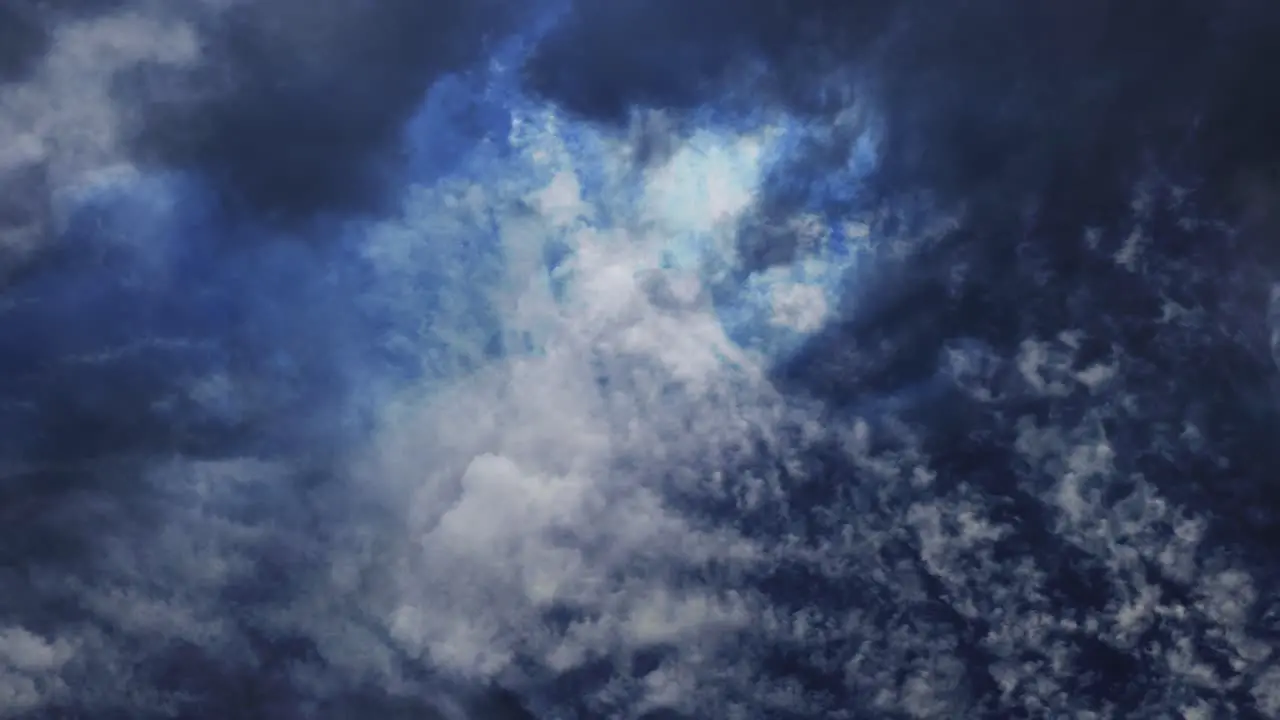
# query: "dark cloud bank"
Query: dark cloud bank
1109,171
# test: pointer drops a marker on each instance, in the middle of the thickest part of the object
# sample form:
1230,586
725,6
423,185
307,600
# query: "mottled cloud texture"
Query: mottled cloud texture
484,360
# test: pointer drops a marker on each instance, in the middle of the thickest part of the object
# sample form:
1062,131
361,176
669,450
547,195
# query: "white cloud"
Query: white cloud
800,307
537,481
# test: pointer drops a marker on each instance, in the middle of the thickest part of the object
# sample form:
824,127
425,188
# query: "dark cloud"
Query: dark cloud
1041,121
991,102
119,312
26,25
22,38
608,57
297,108
289,109
1109,170
25,218
284,110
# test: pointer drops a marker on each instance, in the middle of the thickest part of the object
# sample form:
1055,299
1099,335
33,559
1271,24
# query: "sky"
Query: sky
643,359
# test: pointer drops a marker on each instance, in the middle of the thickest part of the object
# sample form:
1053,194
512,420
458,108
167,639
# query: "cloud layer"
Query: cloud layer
641,360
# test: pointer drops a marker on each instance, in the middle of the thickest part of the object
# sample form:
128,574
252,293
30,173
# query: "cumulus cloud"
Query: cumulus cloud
533,487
